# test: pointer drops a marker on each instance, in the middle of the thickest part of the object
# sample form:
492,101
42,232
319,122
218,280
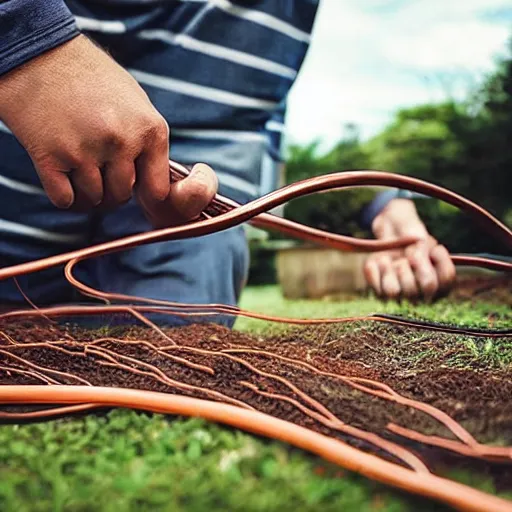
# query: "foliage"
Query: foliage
463,146
337,212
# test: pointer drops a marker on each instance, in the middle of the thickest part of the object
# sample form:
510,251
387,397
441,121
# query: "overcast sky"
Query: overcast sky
371,57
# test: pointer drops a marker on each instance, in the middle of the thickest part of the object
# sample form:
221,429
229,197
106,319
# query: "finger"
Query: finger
153,180
424,271
383,229
57,186
390,284
372,275
384,261
444,266
406,279
87,183
191,195
118,179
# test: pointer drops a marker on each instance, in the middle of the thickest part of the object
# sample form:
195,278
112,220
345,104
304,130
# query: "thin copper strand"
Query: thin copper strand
397,451
47,413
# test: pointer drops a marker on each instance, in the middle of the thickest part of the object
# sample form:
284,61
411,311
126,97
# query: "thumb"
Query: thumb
191,195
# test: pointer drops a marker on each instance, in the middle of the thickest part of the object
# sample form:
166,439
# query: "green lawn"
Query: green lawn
268,299
130,461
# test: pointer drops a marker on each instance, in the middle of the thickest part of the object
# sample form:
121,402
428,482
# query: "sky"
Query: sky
369,58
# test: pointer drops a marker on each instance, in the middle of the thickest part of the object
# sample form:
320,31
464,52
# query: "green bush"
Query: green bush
463,146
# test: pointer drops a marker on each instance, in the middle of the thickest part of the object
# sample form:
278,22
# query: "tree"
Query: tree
463,146
337,212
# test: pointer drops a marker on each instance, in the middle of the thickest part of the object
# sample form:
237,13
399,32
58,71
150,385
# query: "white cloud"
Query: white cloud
368,60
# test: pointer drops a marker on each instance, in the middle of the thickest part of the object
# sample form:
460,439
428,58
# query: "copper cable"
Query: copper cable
255,211
223,214
490,452
457,495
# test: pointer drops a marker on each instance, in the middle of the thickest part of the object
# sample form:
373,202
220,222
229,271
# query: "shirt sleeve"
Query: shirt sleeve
29,28
371,210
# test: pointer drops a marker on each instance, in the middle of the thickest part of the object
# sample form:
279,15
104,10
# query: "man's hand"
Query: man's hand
422,270
94,136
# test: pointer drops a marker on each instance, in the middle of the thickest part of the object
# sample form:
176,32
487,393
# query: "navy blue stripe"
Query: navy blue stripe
183,111
216,26
175,62
222,28
139,16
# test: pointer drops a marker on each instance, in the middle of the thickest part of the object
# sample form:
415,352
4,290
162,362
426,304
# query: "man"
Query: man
77,123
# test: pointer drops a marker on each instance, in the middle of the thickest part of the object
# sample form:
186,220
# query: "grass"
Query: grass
268,299
127,461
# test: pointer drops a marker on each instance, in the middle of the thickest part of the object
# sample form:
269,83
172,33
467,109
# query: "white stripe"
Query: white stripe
237,183
20,186
274,126
42,234
108,27
220,135
201,91
261,18
264,19
4,128
221,52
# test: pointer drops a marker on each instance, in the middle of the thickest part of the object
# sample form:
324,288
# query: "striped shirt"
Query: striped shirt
219,71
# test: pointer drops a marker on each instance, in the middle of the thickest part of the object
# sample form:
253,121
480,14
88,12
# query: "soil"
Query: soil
208,361
496,289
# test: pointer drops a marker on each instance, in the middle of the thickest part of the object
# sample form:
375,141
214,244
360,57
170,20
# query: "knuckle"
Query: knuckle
114,140
65,157
383,264
439,251
110,130
157,129
72,159
377,225
113,137
417,256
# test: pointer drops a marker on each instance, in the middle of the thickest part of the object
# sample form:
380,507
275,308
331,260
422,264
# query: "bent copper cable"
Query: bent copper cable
457,495
405,471
234,214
